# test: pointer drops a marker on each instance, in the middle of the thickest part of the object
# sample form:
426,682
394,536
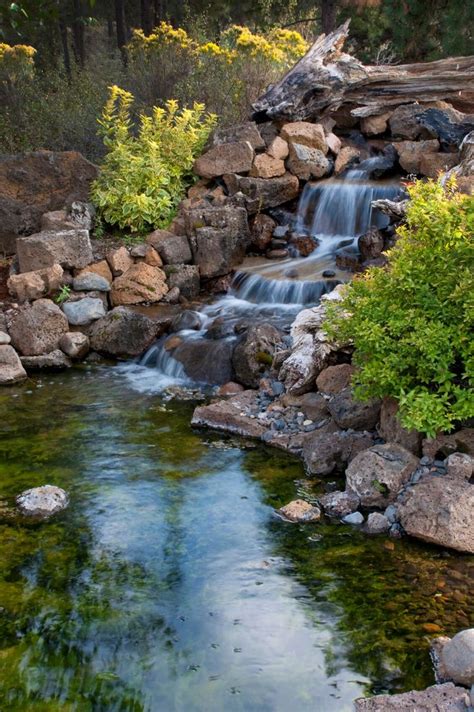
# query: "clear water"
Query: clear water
169,583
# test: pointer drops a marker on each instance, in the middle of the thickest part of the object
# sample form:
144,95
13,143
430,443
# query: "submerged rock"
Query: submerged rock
54,360
300,511
42,502
445,698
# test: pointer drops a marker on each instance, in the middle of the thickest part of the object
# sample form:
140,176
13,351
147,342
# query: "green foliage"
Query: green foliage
145,174
63,294
412,322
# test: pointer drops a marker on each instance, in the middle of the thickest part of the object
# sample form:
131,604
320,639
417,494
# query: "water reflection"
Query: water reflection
170,585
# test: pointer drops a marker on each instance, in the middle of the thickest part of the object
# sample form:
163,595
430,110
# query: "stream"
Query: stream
169,584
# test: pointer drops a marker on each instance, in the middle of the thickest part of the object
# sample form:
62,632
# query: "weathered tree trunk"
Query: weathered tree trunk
327,78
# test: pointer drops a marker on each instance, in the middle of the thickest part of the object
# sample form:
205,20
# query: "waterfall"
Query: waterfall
335,213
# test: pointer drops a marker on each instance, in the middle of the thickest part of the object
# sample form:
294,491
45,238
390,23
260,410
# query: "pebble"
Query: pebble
354,518
307,422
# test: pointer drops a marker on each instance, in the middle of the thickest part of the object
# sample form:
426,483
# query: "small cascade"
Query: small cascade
335,213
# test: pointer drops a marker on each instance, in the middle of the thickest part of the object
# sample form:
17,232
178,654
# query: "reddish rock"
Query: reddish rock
374,125
264,166
432,164
225,158
391,430
334,143
34,285
439,698
300,511
305,134
101,268
140,283
304,244
263,193
351,413
278,148
410,153
261,231
119,261
230,389
334,379
443,445
69,248
348,155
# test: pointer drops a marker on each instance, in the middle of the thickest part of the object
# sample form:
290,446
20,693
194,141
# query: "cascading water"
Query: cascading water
334,213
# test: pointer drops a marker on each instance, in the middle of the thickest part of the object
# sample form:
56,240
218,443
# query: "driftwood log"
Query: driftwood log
327,78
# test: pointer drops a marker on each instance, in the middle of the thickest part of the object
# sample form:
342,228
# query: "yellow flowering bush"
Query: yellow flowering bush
145,172
16,62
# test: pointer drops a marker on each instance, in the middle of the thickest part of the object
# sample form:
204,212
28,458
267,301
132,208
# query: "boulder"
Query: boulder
69,248
225,158
11,369
206,360
339,504
122,332
83,311
460,466
347,157
265,166
90,282
185,278
53,360
305,134
34,183
334,379
173,249
254,353
140,283
37,328
119,261
377,474
391,430
371,244
278,148
442,698
432,164
439,510
306,163
219,238
300,511
351,413
261,231
34,285
325,451
377,523
101,268
443,445
246,132
374,125
456,658
410,153
42,501
263,193
404,121
152,257
74,344
304,244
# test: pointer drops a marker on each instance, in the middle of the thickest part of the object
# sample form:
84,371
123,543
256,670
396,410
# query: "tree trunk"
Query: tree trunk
326,78
78,32
64,44
146,16
328,15
120,28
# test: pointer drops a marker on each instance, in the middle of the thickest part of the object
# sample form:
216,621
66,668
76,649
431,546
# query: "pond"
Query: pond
170,583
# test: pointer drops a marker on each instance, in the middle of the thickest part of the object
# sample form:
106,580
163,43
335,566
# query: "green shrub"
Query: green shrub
145,174
411,323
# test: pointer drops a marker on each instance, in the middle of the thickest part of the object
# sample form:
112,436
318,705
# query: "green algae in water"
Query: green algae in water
169,584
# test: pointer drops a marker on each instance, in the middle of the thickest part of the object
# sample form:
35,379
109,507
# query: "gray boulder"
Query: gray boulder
324,451
90,282
185,278
377,523
439,510
123,332
351,413
253,355
11,369
69,248
173,249
83,311
37,328
455,658
305,162
339,504
218,237
74,344
42,501
263,193
377,474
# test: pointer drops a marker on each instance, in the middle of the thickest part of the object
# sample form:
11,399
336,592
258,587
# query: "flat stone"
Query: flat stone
278,148
247,131
83,311
69,248
225,158
54,360
300,511
263,193
442,698
229,416
348,156
42,501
